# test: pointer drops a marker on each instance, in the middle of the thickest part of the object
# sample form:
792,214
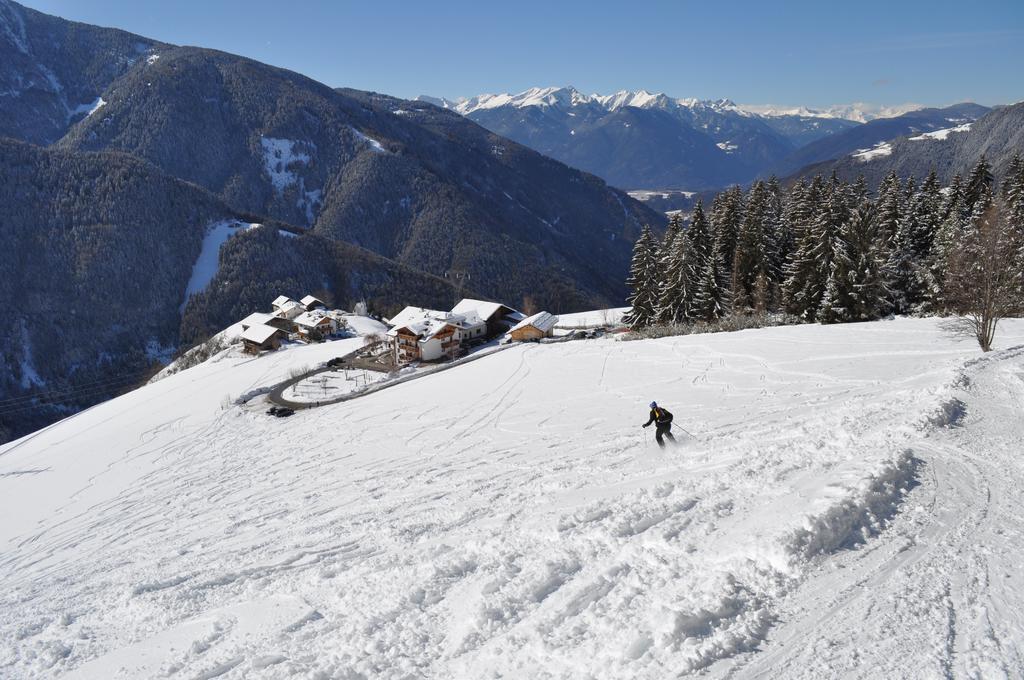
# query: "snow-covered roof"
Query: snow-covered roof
281,300
309,299
542,321
256,318
311,319
259,333
426,327
411,314
484,309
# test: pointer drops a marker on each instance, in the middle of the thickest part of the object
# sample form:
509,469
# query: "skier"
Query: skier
662,420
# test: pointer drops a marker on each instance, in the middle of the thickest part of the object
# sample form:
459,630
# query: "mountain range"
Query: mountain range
639,140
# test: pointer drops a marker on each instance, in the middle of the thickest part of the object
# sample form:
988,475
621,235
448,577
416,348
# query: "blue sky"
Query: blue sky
772,51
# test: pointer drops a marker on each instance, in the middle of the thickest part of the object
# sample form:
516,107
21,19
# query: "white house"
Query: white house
425,339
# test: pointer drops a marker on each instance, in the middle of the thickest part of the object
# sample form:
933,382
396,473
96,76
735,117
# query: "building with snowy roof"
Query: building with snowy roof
427,338
316,324
310,303
540,325
259,338
497,318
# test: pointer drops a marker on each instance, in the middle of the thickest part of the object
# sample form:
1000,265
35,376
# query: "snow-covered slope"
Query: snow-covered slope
510,518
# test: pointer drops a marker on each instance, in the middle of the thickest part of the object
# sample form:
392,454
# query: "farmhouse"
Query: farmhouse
538,326
258,338
496,317
424,339
286,308
315,324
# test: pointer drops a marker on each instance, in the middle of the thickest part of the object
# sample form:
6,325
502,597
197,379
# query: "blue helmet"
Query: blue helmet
654,404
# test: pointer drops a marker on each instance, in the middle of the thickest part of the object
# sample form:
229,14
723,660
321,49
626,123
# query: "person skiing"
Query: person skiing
662,420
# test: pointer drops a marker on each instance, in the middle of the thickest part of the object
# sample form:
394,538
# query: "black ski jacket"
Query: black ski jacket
660,416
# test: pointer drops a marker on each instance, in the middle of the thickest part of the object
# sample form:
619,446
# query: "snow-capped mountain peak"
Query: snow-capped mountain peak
568,97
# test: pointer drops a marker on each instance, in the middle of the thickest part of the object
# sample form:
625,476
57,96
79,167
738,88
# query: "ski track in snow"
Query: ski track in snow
509,518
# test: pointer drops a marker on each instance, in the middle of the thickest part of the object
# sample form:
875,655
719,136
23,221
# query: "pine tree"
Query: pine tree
1013,196
805,202
699,234
710,300
890,206
643,281
677,287
857,287
979,181
812,267
726,217
675,228
949,232
756,253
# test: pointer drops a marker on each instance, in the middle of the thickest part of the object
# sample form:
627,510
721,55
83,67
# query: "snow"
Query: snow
88,109
279,155
835,515
152,59
205,267
647,194
860,112
941,134
877,151
332,384
373,143
593,319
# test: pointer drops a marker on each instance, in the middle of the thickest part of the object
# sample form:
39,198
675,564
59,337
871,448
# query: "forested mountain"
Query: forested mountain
998,135
97,250
877,131
52,71
639,140
424,186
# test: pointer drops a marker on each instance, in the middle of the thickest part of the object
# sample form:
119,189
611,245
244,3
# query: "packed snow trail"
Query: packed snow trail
940,592
506,519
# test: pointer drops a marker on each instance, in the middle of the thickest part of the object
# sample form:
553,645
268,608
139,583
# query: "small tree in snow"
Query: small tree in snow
983,281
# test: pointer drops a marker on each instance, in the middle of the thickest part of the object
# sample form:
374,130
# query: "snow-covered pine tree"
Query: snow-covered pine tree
643,281
890,206
676,291
857,287
978,181
909,261
812,266
802,210
926,211
1013,196
756,253
675,228
710,298
949,232
726,217
699,234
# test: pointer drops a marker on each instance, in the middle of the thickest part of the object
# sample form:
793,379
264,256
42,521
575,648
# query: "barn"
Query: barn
540,325
260,338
